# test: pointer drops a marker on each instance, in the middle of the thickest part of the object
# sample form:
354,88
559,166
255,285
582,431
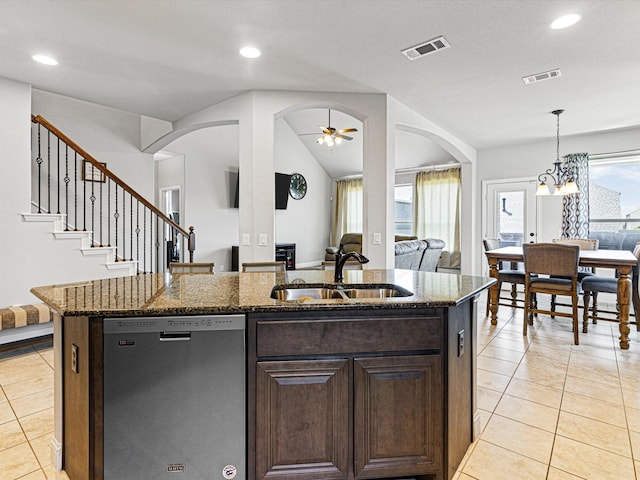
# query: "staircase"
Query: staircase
78,199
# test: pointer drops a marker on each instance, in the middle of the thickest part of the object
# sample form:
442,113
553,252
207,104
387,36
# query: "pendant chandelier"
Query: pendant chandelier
560,176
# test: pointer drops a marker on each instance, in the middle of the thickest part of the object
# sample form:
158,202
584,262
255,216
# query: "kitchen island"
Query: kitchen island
344,385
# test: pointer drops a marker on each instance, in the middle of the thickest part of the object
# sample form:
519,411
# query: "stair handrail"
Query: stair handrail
96,164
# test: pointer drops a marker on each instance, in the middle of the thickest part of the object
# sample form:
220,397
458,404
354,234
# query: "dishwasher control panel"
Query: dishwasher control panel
174,324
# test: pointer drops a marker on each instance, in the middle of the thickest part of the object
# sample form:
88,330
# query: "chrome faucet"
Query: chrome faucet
341,259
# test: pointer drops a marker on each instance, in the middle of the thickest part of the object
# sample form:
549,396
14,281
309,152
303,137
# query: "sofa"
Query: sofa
410,253
419,254
620,240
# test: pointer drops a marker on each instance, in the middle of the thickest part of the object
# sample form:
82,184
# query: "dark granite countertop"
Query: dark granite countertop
198,294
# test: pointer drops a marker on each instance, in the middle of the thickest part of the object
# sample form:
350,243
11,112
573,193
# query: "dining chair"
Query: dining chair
512,275
349,265
595,284
278,266
584,244
556,268
195,267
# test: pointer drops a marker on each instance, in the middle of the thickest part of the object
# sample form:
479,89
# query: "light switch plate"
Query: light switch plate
246,239
262,240
377,238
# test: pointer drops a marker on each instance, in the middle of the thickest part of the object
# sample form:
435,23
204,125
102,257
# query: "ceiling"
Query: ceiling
168,58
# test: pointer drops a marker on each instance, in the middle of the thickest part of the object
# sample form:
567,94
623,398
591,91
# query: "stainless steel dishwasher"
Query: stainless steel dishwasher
174,398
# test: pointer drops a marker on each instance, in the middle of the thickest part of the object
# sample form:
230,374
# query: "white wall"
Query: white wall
15,192
210,155
529,160
32,256
305,222
109,135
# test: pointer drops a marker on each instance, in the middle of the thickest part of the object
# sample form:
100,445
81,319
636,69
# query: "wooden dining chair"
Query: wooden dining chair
556,268
194,267
595,284
279,266
583,272
512,275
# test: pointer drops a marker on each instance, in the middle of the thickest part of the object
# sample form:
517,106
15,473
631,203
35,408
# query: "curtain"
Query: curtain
348,213
437,210
575,207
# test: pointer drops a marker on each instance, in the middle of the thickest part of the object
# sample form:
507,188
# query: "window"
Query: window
614,193
403,197
349,207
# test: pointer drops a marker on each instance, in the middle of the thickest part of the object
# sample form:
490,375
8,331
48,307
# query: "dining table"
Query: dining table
622,261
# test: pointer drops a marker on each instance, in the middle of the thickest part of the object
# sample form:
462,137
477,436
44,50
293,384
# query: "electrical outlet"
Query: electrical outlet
246,239
262,240
461,343
222,268
74,358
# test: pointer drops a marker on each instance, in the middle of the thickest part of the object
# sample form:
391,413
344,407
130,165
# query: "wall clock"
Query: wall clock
297,186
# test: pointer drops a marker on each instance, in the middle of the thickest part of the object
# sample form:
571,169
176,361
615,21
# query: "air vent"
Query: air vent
426,48
538,77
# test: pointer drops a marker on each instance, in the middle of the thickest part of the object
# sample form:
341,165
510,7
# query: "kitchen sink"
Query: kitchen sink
377,292
345,292
306,293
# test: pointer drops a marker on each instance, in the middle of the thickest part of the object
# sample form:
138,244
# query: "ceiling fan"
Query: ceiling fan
330,136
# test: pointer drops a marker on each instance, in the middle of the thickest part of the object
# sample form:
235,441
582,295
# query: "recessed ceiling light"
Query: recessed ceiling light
45,59
565,21
250,52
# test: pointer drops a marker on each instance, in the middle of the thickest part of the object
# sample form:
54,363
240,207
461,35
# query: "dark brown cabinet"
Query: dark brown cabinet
397,426
303,419
354,396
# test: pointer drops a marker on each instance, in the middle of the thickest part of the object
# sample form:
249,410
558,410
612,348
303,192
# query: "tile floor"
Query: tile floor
549,409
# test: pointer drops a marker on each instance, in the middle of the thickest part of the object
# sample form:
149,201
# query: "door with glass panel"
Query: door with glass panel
509,212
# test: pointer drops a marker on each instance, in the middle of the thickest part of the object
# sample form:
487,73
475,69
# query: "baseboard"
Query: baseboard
56,454
477,425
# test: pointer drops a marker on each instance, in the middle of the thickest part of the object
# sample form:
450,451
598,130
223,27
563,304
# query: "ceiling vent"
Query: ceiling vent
426,48
538,77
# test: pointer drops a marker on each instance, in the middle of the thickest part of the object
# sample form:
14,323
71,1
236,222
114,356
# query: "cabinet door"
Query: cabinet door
397,416
302,424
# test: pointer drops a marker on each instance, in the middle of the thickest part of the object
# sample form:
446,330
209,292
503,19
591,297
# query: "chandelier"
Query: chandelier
560,176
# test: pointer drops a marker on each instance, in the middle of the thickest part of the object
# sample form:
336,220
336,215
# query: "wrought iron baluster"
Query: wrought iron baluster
39,162
138,234
48,171
75,189
131,228
144,240
157,244
101,222
116,215
58,174
109,213
66,184
93,212
84,198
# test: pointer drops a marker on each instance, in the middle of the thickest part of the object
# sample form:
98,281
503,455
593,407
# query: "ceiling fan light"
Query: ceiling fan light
329,143
327,138
338,140
320,140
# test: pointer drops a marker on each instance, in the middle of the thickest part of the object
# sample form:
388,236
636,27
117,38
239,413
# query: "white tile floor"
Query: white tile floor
550,409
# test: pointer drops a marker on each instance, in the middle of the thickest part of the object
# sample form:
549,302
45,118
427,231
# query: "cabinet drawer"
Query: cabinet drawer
326,337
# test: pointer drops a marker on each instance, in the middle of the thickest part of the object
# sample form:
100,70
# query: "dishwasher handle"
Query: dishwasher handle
175,336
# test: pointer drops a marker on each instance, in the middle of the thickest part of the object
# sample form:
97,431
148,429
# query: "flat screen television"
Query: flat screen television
282,191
